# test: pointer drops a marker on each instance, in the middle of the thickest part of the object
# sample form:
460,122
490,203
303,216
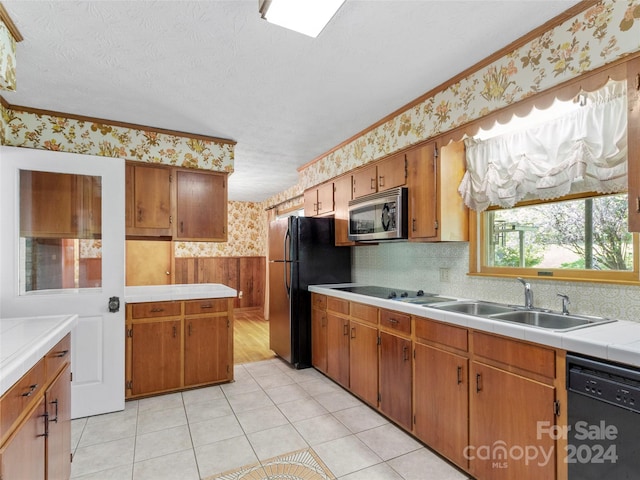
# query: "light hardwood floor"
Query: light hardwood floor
251,337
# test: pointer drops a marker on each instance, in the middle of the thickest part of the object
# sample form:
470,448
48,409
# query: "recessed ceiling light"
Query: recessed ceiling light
304,16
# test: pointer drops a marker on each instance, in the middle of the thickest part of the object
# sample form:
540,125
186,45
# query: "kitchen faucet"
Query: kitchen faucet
565,303
528,294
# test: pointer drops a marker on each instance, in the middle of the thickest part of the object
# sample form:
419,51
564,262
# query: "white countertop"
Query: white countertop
618,341
25,340
158,293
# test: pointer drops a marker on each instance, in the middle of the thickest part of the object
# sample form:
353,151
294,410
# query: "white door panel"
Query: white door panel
98,339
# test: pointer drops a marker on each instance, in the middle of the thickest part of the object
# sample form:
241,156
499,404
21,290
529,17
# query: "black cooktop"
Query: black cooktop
384,292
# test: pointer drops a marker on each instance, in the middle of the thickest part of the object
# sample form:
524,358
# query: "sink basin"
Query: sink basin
480,309
549,320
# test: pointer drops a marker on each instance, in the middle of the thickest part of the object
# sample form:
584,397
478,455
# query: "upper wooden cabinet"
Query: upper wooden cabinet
633,140
201,206
342,195
148,200
319,200
164,201
59,205
385,174
436,210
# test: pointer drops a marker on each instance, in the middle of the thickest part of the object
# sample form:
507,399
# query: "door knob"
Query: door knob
114,304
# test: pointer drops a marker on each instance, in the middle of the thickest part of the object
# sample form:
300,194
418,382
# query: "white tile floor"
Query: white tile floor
269,410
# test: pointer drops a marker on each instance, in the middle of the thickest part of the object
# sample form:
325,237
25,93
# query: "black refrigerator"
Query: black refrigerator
302,252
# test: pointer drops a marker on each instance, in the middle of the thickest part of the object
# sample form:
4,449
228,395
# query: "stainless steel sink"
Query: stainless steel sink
549,320
477,308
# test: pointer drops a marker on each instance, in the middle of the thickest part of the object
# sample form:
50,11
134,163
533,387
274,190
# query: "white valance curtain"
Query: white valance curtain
585,150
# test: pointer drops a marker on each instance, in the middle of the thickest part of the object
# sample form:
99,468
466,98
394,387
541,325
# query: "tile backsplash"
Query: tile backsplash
418,266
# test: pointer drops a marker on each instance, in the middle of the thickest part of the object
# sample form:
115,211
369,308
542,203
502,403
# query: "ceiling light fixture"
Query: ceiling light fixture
304,16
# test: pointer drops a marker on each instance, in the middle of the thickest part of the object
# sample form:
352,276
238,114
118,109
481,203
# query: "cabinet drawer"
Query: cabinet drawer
318,301
364,312
338,305
210,305
155,309
16,399
531,358
432,331
58,356
396,321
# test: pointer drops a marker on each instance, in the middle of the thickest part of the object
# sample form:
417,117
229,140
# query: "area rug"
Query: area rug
302,464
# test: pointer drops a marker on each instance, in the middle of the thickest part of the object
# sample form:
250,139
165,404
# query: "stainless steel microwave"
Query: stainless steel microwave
379,216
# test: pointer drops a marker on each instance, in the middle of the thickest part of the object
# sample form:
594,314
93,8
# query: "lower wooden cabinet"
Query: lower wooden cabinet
338,349
396,378
175,345
363,361
35,439
318,336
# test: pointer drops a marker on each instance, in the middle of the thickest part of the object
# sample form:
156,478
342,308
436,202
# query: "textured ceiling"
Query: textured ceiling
215,68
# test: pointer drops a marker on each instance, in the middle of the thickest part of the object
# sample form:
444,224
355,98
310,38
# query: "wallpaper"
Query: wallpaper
247,227
7,59
593,38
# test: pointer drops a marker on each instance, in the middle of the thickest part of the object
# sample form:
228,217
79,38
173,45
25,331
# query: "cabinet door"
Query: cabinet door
338,349
441,402
149,200
201,206
363,362
206,350
341,196
22,457
505,410
395,378
311,202
319,339
58,400
392,172
422,192
365,181
156,356
325,198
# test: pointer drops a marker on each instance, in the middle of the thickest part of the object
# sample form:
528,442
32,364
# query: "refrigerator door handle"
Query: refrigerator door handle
287,262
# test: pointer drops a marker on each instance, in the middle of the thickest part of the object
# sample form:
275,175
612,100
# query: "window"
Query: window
577,238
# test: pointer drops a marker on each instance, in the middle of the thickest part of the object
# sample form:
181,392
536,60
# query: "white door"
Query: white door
97,360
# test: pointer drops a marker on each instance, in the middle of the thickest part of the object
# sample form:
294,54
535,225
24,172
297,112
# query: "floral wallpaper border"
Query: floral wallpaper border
7,59
597,36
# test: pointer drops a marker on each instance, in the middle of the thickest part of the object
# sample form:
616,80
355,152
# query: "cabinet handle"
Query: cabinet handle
46,426
323,320
405,353
61,354
206,305
175,331
373,184
393,321
181,227
157,310
345,329
413,224
32,388
55,419
478,383
139,214
381,181
459,375
353,332
637,204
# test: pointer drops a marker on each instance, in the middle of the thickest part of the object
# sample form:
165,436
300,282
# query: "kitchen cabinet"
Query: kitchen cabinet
436,210
388,173
148,205
342,196
59,205
440,384
512,391
173,345
319,332
319,200
201,206
35,420
338,345
363,352
148,262
396,378
633,139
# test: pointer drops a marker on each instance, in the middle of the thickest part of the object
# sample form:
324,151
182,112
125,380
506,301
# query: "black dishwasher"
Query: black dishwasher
604,420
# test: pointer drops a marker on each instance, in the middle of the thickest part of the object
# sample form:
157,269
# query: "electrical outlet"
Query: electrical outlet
240,294
444,275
